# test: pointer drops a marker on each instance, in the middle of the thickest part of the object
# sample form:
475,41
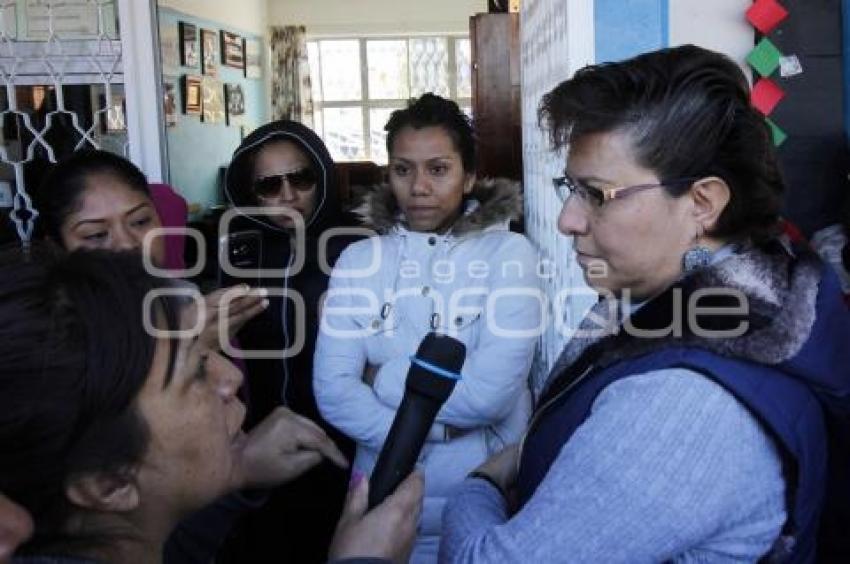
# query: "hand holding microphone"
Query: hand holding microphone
433,373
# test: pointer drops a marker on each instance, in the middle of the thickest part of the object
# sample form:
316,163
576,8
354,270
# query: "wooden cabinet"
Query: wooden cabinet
496,94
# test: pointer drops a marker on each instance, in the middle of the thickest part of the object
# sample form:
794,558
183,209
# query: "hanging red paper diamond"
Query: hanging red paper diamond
765,95
765,15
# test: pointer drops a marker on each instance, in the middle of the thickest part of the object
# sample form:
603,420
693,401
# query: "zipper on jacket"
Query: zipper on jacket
283,308
539,413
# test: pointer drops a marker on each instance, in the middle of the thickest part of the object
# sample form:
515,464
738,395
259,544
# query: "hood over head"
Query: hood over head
239,175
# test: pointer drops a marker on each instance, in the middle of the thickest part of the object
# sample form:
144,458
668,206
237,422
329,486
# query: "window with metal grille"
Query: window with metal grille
358,82
61,90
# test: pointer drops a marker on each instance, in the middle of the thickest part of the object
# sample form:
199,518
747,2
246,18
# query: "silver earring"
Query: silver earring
696,258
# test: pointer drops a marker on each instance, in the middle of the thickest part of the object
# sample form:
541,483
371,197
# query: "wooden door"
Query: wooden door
496,94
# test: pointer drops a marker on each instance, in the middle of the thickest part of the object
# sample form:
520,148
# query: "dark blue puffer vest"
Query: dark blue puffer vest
784,388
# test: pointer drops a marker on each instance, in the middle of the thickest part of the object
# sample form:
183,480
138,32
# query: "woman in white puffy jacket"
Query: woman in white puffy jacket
445,261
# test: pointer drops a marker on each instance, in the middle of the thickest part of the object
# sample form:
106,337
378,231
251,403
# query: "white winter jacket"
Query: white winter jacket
477,283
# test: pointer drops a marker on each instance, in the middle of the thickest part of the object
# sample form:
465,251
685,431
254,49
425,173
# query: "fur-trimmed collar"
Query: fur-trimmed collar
499,200
781,297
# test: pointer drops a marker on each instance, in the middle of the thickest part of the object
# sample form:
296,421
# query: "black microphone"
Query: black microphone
432,377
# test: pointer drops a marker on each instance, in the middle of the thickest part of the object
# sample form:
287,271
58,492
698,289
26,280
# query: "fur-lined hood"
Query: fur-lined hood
496,201
795,319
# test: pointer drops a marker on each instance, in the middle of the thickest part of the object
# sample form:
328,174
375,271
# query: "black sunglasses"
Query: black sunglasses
301,180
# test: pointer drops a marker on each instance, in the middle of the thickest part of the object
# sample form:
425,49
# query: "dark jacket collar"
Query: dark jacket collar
793,319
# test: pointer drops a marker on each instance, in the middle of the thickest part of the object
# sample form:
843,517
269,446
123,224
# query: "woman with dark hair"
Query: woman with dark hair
114,425
98,200
444,261
681,422
281,184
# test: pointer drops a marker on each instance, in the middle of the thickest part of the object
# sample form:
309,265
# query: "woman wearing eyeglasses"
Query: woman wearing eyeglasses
682,423
282,184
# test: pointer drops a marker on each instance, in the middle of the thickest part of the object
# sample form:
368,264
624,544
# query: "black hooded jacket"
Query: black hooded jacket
272,382
297,522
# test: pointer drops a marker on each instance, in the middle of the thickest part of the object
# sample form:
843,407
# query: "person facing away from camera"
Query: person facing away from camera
667,432
119,417
282,184
443,249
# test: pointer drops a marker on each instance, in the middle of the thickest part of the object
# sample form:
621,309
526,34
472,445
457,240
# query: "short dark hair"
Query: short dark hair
59,193
74,356
688,113
430,110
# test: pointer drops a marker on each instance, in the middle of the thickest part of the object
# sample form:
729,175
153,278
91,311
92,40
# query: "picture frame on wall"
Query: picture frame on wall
169,48
74,19
209,52
253,68
212,93
232,50
246,129
234,102
192,97
169,101
497,6
113,120
188,45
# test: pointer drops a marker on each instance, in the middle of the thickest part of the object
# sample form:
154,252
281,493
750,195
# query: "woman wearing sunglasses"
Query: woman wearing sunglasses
683,422
98,200
282,185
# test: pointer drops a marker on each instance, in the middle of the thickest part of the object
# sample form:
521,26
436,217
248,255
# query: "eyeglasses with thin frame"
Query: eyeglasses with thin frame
301,180
565,186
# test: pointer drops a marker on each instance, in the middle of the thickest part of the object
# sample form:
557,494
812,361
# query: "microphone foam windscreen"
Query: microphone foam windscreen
443,352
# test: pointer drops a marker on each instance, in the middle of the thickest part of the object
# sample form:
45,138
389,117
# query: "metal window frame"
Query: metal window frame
364,103
132,59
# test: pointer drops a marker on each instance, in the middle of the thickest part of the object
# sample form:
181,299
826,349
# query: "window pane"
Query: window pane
315,75
340,70
464,68
318,122
429,66
378,117
387,69
344,133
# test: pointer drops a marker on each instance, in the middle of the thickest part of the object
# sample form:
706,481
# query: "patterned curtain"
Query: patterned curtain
292,93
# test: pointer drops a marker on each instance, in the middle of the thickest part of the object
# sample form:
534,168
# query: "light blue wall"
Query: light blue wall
625,28
196,149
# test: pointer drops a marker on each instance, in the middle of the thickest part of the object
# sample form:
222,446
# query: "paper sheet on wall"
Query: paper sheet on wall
72,19
766,95
765,15
765,57
777,133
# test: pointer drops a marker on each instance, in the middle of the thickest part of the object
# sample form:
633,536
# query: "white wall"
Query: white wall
375,17
244,15
719,25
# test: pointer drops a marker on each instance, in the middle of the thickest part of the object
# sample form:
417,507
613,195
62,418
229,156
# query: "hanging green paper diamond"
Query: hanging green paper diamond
779,136
765,57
